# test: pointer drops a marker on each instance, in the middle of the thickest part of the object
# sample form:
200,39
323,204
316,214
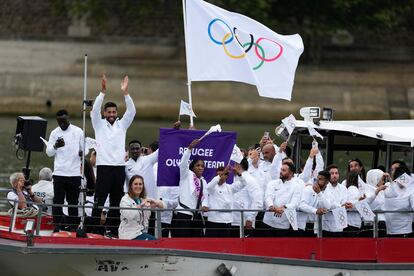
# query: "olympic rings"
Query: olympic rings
263,54
211,36
251,40
270,59
225,48
231,34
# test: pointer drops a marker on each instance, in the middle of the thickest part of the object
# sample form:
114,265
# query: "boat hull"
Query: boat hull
16,258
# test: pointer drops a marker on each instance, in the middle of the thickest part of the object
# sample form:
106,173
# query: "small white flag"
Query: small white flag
216,128
403,180
290,123
313,132
340,217
292,218
90,144
236,156
44,141
186,109
365,210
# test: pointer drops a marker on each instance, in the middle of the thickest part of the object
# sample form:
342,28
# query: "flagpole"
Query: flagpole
80,232
190,100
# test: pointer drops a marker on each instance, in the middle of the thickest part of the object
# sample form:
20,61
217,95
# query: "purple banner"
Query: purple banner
215,149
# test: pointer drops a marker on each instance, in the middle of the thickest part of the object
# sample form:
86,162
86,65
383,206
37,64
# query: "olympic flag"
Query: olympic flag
223,45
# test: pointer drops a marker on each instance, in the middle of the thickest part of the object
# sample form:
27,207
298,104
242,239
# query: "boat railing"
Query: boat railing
318,230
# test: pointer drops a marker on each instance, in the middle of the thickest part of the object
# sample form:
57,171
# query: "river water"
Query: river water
145,131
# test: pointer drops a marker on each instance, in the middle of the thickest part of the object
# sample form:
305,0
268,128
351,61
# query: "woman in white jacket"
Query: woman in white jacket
135,222
192,195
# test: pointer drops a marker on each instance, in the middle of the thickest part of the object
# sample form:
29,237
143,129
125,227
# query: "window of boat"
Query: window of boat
404,153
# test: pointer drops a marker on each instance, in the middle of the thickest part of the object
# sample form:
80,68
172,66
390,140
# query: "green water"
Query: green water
145,131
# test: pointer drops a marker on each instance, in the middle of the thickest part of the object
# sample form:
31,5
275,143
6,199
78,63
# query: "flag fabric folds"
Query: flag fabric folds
236,155
340,217
227,46
186,109
216,128
290,123
313,132
291,215
365,210
404,180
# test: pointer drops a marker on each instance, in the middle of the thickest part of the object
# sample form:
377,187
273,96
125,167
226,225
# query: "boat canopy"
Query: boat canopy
401,131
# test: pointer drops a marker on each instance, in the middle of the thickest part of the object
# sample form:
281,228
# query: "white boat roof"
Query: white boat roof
386,130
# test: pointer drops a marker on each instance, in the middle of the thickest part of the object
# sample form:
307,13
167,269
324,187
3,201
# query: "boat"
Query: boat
27,246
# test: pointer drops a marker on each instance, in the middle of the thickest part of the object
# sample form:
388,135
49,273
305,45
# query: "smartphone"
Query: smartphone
266,134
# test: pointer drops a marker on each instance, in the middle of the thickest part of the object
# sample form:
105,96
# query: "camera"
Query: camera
28,183
59,143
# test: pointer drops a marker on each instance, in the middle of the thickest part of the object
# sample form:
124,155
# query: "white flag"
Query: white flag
186,109
340,217
403,180
44,141
90,144
216,128
364,210
236,156
289,123
227,46
313,132
292,218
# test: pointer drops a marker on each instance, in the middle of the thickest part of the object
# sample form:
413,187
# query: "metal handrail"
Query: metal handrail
158,211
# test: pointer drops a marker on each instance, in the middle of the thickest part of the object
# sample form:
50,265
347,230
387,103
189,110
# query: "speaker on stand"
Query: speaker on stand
29,129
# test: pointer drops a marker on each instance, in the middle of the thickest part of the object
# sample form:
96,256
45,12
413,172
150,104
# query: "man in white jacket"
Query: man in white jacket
220,196
44,188
313,203
250,197
399,197
110,135
65,145
338,196
281,194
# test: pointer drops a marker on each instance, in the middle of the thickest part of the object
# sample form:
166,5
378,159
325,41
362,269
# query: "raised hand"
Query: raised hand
316,188
124,85
194,143
283,146
177,125
103,83
237,169
313,152
321,211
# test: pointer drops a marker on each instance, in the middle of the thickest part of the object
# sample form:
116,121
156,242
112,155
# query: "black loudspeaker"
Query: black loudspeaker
28,132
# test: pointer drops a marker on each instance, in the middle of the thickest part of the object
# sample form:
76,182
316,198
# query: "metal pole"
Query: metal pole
39,221
190,100
13,218
83,180
158,226
241,224
319,234
376,226
388,156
